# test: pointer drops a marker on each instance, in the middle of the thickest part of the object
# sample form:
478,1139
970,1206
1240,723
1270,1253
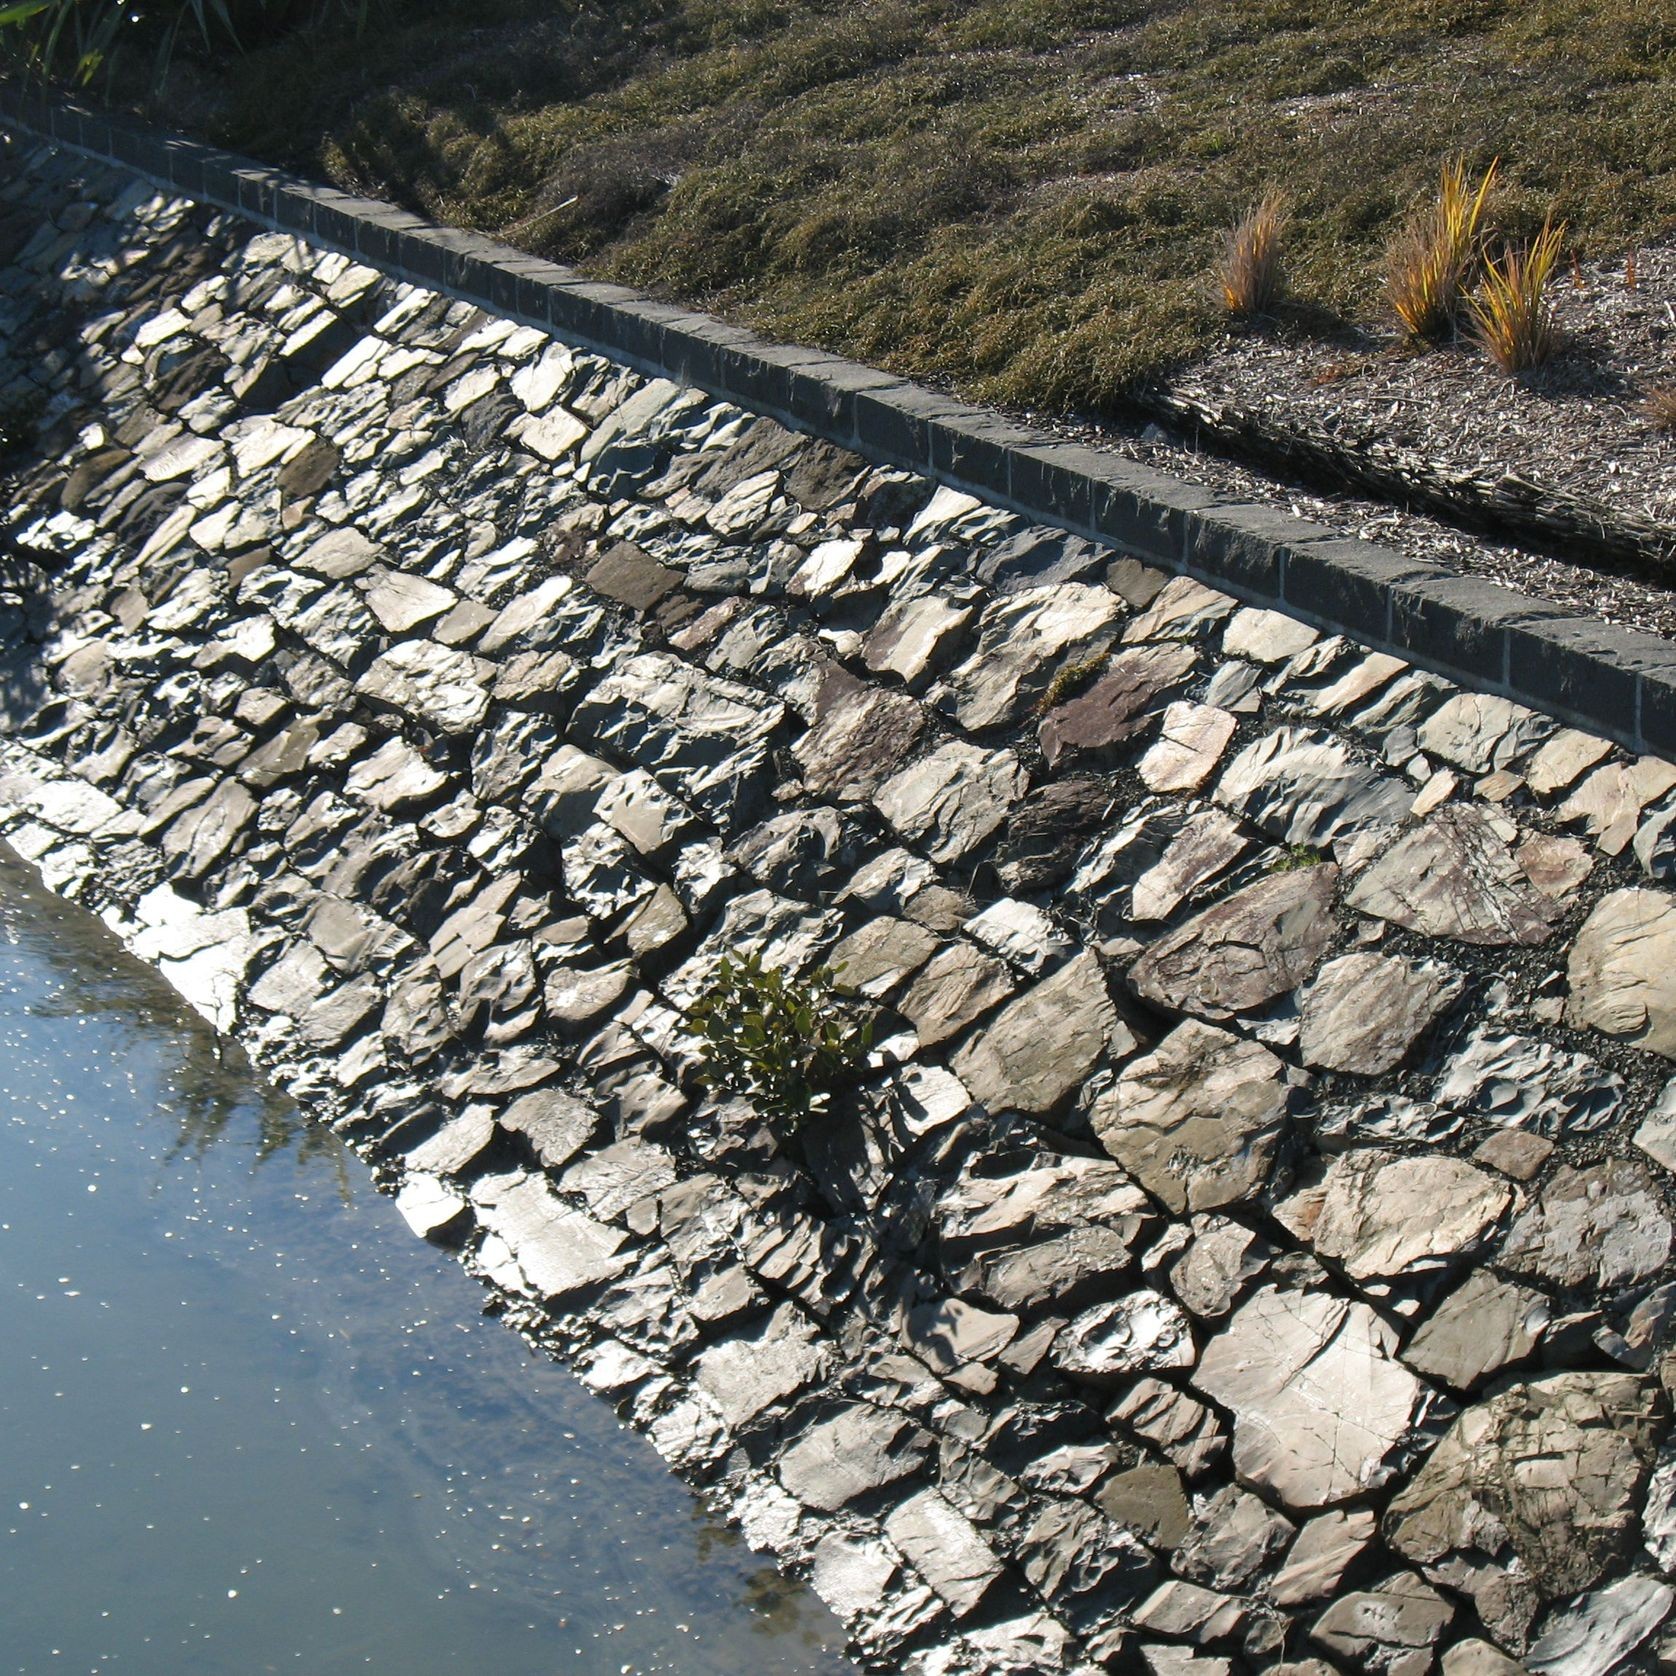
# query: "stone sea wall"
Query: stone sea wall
1250,1250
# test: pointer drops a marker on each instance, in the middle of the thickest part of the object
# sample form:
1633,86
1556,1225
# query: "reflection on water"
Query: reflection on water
248,1424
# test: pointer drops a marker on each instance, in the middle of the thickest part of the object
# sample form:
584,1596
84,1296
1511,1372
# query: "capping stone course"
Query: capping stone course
1103,1330
1616,682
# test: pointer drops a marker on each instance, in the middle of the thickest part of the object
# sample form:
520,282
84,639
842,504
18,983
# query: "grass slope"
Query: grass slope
1023,198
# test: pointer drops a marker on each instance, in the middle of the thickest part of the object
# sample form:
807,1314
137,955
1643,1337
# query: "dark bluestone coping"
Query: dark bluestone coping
1610,680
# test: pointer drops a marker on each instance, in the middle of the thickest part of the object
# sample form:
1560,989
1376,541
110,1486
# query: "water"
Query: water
249,1424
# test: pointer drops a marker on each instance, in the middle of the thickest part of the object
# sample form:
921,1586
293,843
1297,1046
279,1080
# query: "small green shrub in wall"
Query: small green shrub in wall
785,1042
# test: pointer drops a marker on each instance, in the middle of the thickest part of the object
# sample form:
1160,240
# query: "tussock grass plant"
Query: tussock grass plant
1512,316
1660,408
1433,252
1024,200
1252,275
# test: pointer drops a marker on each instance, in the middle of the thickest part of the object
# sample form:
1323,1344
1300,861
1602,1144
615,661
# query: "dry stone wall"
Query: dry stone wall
1251,1249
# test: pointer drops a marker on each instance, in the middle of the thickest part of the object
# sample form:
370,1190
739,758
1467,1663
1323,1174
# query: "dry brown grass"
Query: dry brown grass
1511,314
1433,250
1660,408
1252,276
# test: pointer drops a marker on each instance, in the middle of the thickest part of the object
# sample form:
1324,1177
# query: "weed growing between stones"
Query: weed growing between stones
1295,857
785,1042
1071,680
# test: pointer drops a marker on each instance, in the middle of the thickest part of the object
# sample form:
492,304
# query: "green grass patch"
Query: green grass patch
1025,200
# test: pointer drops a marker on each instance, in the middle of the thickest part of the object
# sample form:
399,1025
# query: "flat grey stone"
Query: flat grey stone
1532,1494
1323,1411
1365,1012
1485,1326
1478,732
1603,1227
1525,1083
1242,952
430,682
949,1333
202,835
1022,639
945,1548
1380,1215
1326,1548
613,1178
1453,876
1178,1425
916,639
1623,969
1205,848
876,960
1233,1539
1196,1121
402,602
456,1145
1149,1501
1081,1563
1221,1260
1184,1609
339,554
555,1123
1041,1046
855,1451
1191,740
758,1367
1656,1135
556,1251
1302,786
952,799
1391,1628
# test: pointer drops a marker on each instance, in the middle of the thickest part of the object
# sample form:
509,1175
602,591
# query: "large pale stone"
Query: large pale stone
1023,638
431,683
1323,1411
1483,1327
1042,1045
1365,1012
1245,950
1197,1120
1603,1227
1379,1214
1532,1494
858,1449
1623,969
1453,876
1302,786
953,798
945,1548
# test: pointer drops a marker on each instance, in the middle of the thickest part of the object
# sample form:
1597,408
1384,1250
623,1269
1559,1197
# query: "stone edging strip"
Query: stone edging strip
1610,680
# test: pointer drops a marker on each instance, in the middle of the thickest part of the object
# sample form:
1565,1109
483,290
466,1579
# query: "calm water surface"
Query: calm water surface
248,1423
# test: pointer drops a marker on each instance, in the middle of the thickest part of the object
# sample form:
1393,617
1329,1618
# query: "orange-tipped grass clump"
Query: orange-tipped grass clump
1660,408
1430,256
1252,275
1511,314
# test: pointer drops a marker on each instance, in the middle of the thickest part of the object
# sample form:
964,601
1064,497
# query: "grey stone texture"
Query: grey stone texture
1270,1036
